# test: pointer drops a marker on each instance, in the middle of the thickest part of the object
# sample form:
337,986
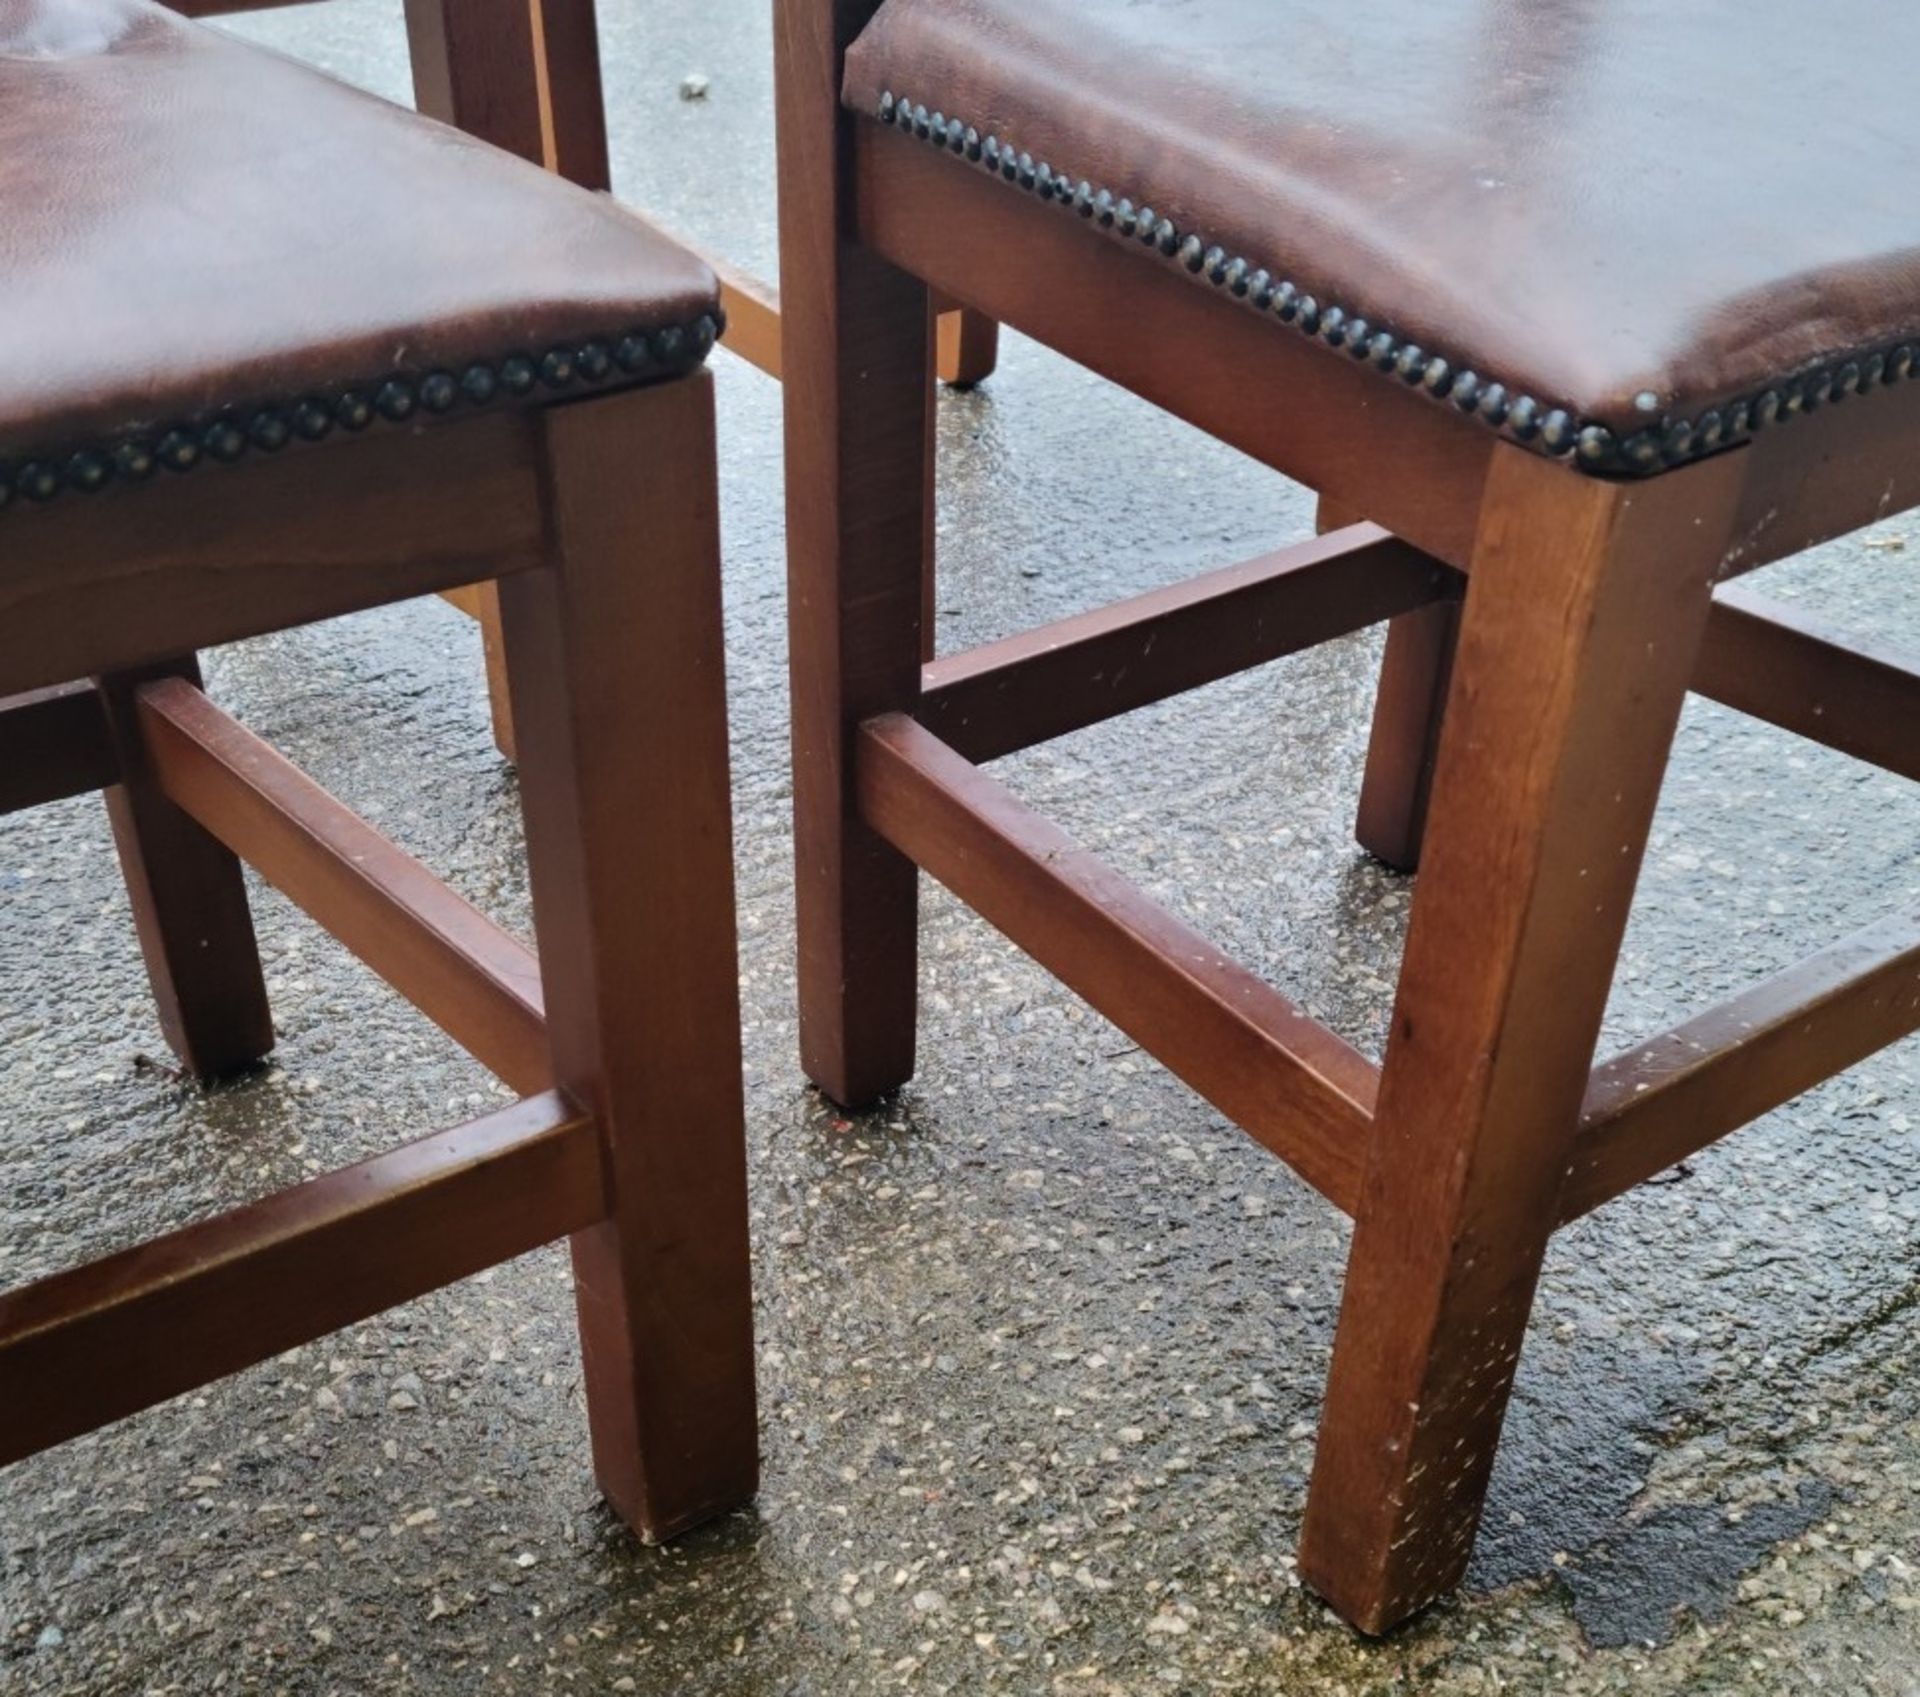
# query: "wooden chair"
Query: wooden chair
494,377
1550,294
525,75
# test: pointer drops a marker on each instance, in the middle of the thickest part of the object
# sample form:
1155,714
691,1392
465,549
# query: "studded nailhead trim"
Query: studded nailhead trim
1556,431
232,433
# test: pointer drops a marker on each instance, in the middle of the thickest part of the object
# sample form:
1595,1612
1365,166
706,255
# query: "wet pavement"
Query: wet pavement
1041,1344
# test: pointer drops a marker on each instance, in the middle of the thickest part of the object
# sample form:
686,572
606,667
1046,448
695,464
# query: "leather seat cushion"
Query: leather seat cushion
1647,217
198,237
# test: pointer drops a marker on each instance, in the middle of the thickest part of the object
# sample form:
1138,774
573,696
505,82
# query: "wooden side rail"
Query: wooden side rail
1671,1096
1076,672
476,982
54,743
1295,1086
1770,660
122,1333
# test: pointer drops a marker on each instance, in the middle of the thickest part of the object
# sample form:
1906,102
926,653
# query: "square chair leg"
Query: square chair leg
189,903
629,848
1585,606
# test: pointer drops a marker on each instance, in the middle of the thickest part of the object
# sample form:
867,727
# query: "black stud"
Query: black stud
670,346
1333,326
1125,219
1872,369
353,410
1286,301
937,129
1642,451
1359,338
1043,180
971,143
922,122
438,391
1766,410
886,107
133,458
1646,402
1494,403
313,418
1214,262
178,450
1308,315
1738,420
1147,225
705,332
631,351
1676,443
593,362
990,153
1103,208
1382,349
395,399
1847,381
1410,364
1465,392
1595,446
1193,253
88,471
1793,400
269,430
1025,170
479,384
1819,389
1166,237
557,368
39,481
1523,418
1083,198
956,136
1710,432
1439,377
225,440
1556,431
1236,277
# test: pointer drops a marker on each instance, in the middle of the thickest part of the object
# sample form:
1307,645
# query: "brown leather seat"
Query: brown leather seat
208,251
1630,230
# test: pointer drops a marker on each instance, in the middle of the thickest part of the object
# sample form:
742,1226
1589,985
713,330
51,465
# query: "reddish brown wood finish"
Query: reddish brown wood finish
54,743
1288,1081
189,903
1561,675
92,1345
615,656
966,347
1669,1097
858,391
1062,677
1852,694
477,983
1405,740
602,516
132,576
1579,633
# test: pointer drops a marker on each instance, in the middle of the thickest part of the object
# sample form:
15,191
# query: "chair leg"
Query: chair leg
1584,610
1405,740
616,665
189,904
969,347
858,358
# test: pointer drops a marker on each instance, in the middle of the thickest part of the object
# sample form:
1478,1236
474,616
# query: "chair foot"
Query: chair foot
968,347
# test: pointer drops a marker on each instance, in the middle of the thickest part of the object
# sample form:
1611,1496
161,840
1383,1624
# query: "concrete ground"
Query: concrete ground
1042,1344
